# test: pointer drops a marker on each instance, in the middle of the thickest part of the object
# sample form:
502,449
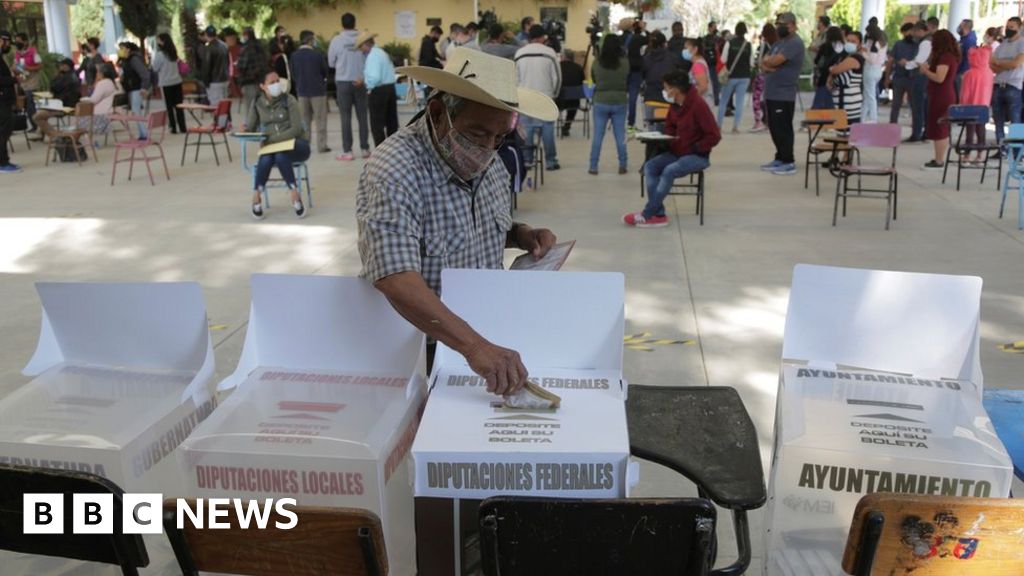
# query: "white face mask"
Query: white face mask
837,46
274,89
668,97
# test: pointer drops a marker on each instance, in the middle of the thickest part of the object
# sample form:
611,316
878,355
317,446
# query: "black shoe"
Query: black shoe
33,129
730,112
553,167
300,209
257,211
912,140
324,151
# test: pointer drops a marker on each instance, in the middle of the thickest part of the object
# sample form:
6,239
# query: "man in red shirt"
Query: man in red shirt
696,133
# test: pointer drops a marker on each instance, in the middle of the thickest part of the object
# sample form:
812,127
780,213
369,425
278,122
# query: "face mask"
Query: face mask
274,89
122,53
6,50
1010,32
687,55
850,47
466,158
19,45
837,46
245,39
783,30
668,97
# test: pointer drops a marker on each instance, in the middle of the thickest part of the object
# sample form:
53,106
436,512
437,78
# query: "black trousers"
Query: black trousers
383,104
780,124
6,120
175,116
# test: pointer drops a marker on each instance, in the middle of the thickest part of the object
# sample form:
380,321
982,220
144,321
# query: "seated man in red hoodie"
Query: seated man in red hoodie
696,133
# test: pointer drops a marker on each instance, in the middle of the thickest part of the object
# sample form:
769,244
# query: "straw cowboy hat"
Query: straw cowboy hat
363,37
487,79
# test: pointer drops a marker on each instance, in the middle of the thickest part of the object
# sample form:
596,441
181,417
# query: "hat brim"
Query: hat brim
531,103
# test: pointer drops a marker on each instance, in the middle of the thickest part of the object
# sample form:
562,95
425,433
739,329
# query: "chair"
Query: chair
659,112
220,125
156,128
323,541
22,111
816,121
522,536
125,550
935,535
689,188
575,94
705,434
1015,171
301,180
1006,409
535,144
967,117
83,115
870,136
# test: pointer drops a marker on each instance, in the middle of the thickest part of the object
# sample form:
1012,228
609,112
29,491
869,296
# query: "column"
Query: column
869,8
58,35
113,30
958,11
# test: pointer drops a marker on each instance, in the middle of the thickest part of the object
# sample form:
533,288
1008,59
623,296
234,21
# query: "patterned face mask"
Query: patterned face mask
466,158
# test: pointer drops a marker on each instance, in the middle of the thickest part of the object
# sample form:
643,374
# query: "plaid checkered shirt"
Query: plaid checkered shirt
415,214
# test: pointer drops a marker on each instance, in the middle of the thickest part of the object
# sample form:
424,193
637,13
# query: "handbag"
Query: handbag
724,74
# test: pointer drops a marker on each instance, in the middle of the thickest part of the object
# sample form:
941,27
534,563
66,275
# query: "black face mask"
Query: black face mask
19,45
783,30
6,49
1010,32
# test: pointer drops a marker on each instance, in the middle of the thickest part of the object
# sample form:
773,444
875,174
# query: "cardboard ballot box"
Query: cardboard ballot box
330,387
568,328
876,395
122,377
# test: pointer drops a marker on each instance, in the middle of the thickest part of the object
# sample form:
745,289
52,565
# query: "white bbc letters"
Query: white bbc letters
43,513
142,514
92,514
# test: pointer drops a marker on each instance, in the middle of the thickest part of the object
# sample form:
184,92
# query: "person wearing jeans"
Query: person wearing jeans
737,61
1008,64
782,73
547,134
611,80
694,132
379,75
348,64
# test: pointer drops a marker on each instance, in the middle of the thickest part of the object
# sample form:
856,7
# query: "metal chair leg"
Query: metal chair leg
835,205
184,147
741,527
871,535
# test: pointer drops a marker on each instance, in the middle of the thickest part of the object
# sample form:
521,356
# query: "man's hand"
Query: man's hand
500,367
535,241
902,62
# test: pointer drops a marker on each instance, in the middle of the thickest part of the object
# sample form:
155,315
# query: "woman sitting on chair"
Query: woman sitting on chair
278,117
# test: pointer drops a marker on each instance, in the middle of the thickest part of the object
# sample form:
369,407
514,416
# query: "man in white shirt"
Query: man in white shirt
919,82
538,69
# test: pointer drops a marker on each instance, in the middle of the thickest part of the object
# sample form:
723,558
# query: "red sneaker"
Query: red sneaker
637,219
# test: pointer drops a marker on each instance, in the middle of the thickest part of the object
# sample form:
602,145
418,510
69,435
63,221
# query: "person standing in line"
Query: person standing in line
496,45
874,51
658,61
634,52
709,49
442,46
380,81
348,64
572,77
538,69
768,38
252,66
165,64
902,51
7,101
309,67
428,55
976,90
700,71
90,61
782,74
135,81
828,54
523,38
610,74
918,81
1008,65
230,37
213,67
675,44
28,65
737,61
847,79
824,23
968,42
941,74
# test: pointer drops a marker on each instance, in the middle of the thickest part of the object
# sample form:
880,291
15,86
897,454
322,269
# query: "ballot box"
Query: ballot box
326,402
568,328
880,391
122,375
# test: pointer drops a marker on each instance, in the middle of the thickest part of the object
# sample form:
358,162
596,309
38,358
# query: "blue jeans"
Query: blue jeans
1006,107
135,102
283,161
547,133
736,86
616,115
918,104
633,83
661,171
822,99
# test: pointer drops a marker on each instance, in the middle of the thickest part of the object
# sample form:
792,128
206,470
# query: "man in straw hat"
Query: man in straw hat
432,197
379,75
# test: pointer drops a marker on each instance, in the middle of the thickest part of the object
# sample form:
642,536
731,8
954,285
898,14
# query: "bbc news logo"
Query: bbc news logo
143,513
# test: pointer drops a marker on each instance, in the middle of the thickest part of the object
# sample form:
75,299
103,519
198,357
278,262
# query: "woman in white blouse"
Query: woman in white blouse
874,51
102,97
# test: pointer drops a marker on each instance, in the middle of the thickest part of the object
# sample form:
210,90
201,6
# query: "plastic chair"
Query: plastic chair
816,121
156,128
323,541
83,115
931,535
125,550
221,125
1015,171
967,117
575,94
870,136
522,536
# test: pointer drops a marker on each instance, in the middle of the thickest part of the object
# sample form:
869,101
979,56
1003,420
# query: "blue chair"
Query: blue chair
1014,150
1006,409
301,179
967,117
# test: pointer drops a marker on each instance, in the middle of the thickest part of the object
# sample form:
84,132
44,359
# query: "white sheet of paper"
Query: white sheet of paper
551,261
653,136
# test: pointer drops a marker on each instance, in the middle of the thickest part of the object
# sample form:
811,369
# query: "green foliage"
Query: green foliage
87,19
262,12
848,12
140,17
399,51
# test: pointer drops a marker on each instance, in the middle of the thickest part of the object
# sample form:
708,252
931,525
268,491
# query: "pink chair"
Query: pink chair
869,136
156,128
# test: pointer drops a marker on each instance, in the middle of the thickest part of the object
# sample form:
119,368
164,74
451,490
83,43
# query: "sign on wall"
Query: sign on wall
405,24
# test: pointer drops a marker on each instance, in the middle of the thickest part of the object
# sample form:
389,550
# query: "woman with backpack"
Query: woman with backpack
737,79
168,73
252,65
135,81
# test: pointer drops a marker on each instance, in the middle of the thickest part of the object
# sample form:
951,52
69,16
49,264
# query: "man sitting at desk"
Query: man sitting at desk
695,132
276,114
66,88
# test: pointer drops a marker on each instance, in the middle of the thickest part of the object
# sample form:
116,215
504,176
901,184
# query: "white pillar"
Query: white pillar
113,30
869,8
58,34
958,11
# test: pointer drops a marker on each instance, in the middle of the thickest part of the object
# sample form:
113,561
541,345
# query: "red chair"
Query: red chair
869,136
221,125
156,128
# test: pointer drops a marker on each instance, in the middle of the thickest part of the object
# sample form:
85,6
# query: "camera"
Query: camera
594,30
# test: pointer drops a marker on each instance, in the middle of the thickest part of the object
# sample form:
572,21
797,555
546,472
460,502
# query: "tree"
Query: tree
189,32
848,12
87,19
140,17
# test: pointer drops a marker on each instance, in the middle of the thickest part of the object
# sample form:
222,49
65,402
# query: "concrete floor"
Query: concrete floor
724,284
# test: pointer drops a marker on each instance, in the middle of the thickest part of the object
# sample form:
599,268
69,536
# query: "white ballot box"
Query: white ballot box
329,391
879,392
568,328
122,376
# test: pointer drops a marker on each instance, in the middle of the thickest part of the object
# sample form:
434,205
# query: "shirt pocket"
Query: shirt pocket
443,249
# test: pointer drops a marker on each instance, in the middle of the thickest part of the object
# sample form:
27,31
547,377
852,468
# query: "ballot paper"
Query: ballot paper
551,261
653,136
283,146
532,397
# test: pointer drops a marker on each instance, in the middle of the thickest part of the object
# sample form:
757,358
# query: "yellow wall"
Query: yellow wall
379,17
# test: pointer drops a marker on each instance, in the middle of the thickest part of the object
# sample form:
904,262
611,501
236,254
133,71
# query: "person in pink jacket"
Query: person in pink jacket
976,90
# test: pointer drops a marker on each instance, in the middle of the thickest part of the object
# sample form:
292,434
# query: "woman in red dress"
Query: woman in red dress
941,71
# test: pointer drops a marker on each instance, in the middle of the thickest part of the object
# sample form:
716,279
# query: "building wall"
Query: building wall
379,17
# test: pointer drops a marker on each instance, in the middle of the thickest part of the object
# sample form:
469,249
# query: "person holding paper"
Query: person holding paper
277,115
432,197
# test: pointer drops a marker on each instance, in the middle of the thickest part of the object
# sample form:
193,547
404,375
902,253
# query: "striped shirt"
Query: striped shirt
849,90
414,213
